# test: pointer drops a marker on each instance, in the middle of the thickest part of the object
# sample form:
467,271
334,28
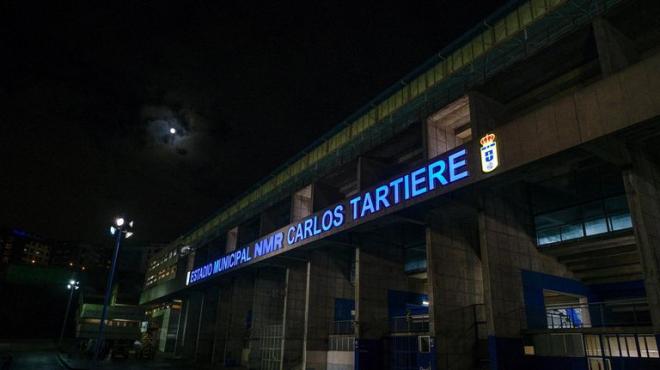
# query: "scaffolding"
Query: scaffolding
515,32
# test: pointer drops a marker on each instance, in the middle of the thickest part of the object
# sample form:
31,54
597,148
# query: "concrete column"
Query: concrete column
205,334
508,249
180,332
378,269
370,171
328,279
222,322
455,290
294,316
642,183
235,310
162,335
615,50
191,325
485,114
267,313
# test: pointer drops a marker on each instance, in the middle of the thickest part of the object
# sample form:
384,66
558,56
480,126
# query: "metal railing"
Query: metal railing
342,327
631,313
409,324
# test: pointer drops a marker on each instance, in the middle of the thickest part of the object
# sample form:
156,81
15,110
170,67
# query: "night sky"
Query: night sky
88,94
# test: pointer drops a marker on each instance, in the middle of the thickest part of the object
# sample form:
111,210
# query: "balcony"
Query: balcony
409,324
342,327
619,314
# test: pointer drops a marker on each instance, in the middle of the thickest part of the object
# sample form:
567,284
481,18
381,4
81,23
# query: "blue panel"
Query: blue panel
344,309
506,353
369,354
399,303
533,285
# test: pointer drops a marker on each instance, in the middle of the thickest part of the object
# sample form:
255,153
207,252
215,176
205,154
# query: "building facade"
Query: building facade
499,208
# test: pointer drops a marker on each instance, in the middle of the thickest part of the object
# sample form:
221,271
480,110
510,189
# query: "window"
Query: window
594,218
629,345
648,347
424,342
592,344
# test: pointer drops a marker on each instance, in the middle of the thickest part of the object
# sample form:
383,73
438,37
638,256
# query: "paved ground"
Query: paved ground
40,356
37,360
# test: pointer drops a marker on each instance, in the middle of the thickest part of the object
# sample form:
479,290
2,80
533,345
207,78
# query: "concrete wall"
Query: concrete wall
267,314
329,279
231,330
507,248
379,269
642,182
188,343
455,289
294,315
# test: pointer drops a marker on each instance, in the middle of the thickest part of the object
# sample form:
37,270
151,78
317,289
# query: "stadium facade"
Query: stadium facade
497,208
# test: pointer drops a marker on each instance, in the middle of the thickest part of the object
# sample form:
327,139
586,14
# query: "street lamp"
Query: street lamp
173,131
119,229
72,286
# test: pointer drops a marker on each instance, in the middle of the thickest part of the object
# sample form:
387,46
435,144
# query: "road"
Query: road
35,360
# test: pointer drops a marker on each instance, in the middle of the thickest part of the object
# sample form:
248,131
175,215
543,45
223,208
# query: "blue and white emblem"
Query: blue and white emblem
489,159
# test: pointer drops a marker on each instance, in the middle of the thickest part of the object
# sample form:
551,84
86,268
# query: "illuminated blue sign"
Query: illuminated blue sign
393,194
418,182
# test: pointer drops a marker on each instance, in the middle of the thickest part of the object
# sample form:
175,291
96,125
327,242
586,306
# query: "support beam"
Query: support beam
615,50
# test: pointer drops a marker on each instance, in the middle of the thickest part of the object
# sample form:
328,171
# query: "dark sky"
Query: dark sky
88,91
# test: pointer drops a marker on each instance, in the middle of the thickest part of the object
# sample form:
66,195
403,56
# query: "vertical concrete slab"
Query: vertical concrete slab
267,312
379,268
370,171
222,323
205,334
294,316
241,293
191,326
455,290
642,183
328,279
485,113
181,330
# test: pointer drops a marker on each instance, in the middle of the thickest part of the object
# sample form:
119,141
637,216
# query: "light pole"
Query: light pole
120,229
72,286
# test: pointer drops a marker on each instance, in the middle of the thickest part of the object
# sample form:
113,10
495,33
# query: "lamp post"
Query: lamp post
120,229
72,286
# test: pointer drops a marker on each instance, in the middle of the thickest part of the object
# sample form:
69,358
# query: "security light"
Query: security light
172,131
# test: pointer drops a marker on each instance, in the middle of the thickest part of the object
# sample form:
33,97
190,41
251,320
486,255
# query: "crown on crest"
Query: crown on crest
487,139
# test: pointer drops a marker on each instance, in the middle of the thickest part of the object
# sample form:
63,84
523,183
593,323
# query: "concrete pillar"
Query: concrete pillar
379,268
615,50
183,316
370,171
642,183
194,304
233,328
222,322
205,333
455,290
294,316
267,313
328,279
508,248
485,114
